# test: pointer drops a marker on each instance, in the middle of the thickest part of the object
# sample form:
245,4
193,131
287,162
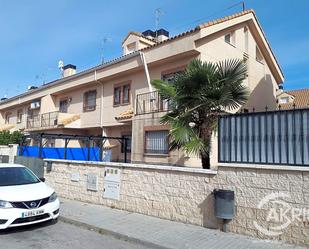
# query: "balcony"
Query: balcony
41,121
53,120
150,102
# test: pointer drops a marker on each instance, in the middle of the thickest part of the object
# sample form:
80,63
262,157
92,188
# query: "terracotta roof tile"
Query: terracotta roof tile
214,22
68,120
301,99
125,115
203,25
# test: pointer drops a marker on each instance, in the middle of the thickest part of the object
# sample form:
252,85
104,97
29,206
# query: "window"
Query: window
122,94
19,116
90,100
156,142
129,141
8,118
227,38
284,100
126,94
63,106
170,77
117,95
230,38
258,55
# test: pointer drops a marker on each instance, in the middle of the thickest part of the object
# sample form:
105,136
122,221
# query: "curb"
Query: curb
111,233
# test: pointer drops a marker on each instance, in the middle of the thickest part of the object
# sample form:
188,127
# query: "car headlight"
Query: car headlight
53,197
5,204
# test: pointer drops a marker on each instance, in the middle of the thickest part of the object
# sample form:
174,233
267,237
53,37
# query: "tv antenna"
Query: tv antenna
158,14
104,41
40,77
60,66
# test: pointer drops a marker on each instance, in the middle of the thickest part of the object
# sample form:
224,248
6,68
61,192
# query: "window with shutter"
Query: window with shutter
117,95
126,94
156,142
90,100
122,94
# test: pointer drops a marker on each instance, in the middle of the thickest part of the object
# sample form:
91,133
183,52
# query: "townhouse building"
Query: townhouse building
116,99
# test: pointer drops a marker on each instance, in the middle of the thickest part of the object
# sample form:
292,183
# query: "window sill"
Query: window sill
89,110
154,154
121,104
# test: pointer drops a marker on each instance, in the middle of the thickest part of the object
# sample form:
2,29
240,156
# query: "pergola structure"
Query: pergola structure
100,139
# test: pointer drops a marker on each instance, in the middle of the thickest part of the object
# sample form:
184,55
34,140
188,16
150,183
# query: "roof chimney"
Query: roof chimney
149,34
69,70
31,87
162,35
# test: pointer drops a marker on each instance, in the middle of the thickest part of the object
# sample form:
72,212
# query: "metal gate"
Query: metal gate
33,163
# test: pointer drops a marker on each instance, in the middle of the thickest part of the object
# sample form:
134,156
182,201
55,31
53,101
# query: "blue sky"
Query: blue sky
35,35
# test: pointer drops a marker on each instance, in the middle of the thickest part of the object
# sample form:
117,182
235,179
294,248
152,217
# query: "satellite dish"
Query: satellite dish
60,64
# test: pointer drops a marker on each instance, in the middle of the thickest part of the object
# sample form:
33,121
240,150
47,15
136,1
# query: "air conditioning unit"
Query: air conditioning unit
35,105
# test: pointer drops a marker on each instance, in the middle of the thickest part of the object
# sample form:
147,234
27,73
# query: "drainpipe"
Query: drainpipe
143,58
101,97
101,111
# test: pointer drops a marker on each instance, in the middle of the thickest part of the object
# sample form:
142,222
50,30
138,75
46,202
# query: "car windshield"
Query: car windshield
10,176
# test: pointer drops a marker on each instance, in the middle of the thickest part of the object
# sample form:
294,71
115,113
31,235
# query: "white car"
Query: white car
24,198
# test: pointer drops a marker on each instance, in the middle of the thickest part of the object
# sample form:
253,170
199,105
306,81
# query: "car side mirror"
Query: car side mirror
42,179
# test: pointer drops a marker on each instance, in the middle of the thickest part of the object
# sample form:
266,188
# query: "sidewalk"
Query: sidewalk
155,232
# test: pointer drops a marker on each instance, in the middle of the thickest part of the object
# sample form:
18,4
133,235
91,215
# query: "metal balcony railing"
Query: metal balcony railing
151,102
48,119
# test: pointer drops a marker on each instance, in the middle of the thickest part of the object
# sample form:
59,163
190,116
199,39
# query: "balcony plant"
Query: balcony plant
196,97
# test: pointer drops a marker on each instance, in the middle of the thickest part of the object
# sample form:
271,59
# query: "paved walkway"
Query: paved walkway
155,232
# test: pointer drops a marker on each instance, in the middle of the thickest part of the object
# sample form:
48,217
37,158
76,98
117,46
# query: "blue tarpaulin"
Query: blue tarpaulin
72,153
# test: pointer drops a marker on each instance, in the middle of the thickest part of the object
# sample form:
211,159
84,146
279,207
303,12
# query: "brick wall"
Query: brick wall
185,195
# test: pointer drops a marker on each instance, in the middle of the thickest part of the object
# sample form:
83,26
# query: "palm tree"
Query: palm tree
196,98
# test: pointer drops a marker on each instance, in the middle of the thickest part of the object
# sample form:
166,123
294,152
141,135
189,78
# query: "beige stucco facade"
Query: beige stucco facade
151,61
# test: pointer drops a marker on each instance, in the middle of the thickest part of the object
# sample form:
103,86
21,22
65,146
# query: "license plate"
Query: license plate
31,213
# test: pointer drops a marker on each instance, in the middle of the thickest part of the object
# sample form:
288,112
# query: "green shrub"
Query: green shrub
7,137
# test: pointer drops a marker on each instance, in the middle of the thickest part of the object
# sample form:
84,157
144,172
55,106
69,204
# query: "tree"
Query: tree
196,98
10,138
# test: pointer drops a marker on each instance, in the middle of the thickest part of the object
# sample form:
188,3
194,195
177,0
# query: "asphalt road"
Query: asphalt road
60,236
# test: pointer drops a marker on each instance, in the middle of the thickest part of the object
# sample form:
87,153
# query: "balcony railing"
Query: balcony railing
45,120
151,102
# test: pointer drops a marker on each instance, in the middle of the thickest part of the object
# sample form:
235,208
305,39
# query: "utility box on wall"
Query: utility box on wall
92,182
112,180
